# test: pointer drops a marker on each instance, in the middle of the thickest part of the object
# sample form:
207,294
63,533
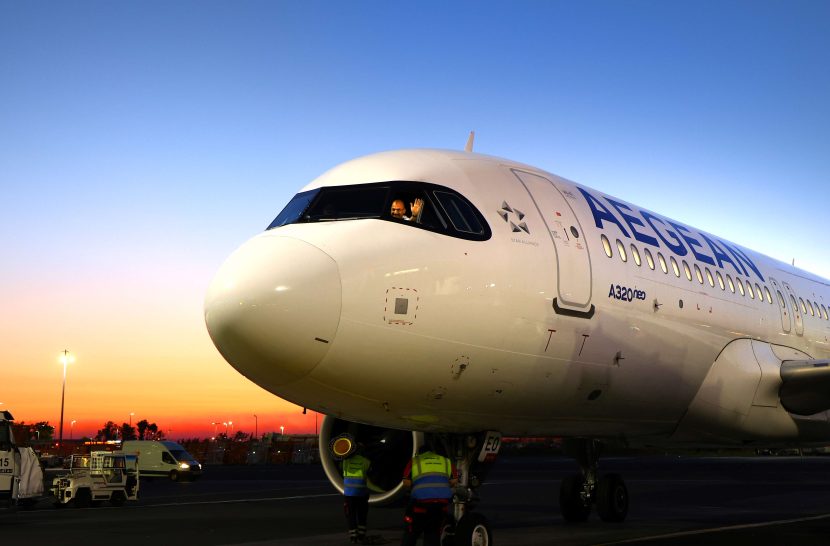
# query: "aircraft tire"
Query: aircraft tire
571,504
473,530
612,498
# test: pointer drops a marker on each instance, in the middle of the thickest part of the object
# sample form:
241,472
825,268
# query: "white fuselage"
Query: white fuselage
533,331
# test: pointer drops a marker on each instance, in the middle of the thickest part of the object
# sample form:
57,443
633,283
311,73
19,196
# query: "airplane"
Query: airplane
514,302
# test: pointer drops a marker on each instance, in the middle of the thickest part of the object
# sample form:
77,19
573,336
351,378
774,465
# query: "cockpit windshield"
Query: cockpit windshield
426,206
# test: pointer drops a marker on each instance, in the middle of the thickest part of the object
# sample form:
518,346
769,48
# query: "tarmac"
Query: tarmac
674,500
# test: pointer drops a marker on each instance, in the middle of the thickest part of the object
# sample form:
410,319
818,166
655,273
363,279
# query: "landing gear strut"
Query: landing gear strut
579,492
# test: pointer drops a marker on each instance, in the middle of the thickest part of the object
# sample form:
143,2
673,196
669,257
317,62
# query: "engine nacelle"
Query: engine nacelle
389,450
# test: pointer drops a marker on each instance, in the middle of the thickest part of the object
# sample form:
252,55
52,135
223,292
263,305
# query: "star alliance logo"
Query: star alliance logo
506,212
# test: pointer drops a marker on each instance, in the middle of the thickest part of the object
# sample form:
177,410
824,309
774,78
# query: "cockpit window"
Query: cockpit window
294,209
344,203
426,206
460,213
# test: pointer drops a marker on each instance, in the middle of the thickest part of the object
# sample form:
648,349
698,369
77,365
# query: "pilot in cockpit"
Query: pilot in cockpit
398,210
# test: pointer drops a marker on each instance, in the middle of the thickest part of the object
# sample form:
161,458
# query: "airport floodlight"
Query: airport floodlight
65,358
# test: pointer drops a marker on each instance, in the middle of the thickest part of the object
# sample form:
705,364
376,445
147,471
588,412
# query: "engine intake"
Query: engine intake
389,451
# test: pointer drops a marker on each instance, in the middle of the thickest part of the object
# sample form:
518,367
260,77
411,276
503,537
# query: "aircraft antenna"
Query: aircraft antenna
470,139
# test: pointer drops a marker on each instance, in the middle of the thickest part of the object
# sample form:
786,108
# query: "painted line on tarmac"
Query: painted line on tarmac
238,501
718,529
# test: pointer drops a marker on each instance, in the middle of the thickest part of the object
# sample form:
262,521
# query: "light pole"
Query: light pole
214,423
282,430
256,426
231,425
66,358
72,428
226,429
131,418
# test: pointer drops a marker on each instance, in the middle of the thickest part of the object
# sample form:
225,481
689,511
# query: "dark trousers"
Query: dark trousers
425,518
356,509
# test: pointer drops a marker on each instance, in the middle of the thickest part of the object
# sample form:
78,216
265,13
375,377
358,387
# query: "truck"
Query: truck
163,459
21,477
111,476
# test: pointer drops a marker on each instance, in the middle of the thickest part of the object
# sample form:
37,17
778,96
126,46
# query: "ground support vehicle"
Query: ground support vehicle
100,476
21,476
9,464
163,459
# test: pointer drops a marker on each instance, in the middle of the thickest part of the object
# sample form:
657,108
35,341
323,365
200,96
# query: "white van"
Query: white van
163,459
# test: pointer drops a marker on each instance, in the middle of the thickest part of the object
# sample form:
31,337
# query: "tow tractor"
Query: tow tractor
100,476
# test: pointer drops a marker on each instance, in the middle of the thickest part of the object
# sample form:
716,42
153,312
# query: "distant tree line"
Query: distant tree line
43,431
143,430
24,432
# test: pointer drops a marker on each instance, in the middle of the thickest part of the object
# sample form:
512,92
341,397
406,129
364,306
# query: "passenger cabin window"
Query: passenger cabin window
606,245
621,250
731,284
649,258
758,291
780,299
687,270
674,266
698,274
422,205
662,261
803,307
636,255
740,284
749,290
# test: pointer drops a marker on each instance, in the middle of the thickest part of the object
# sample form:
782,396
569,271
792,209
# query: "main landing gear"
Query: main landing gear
579,492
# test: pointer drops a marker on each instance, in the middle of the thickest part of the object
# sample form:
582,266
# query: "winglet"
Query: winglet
470,139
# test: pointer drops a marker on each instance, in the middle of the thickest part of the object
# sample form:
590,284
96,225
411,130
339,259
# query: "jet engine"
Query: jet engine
389,451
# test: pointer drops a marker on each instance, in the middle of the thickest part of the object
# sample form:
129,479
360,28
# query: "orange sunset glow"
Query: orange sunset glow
143,351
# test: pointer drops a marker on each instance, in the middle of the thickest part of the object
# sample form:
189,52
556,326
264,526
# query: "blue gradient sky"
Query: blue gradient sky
140,143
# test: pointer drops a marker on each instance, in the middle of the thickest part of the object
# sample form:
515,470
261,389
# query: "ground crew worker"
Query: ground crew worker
431,478
356,492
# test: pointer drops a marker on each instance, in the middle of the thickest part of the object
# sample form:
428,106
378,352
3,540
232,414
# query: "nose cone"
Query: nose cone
273,309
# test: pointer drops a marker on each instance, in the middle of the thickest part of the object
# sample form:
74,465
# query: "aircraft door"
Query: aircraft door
793,301
782,305
572,259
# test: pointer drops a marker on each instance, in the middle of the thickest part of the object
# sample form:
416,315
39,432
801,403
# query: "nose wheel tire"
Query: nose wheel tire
612,498
473,530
